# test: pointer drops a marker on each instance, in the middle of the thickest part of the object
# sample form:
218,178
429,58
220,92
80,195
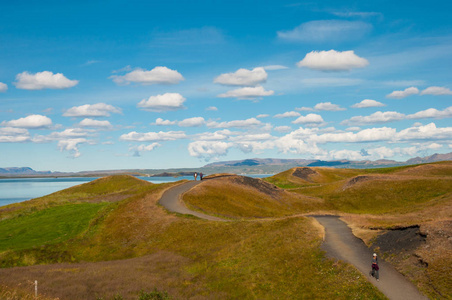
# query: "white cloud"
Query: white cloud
219,135
275,67
150,147
287,114
161,122
3,87
208,149
158,75
432,113
243,77
304,108
326,30
43,80
212,108
192,122
165,102
247,93
30,122
71,145
251,122
377,117
353,129
405,93
332,61
328,106
153,136
283,128
95,123
365,135
367,103
92,110
262,116
14,135
436,91
345,154
427,132
312,119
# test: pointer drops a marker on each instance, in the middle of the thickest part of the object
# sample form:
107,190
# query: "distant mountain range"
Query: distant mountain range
245,166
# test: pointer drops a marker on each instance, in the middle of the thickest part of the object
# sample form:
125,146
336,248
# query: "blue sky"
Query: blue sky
90,85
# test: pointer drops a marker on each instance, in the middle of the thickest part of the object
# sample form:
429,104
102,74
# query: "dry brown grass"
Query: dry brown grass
243,197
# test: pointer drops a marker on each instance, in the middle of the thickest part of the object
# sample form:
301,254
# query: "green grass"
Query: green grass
48,226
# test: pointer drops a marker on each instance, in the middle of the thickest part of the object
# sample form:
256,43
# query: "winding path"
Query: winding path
340,243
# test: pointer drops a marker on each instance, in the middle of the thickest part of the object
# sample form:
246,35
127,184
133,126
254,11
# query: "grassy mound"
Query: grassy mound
244,197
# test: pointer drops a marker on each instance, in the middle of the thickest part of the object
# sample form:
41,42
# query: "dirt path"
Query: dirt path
340,243
171,200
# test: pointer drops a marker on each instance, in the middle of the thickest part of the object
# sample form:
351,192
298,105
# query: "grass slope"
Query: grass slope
187,257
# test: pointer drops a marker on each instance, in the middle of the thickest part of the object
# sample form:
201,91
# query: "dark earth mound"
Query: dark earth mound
260,185
304,173
397,241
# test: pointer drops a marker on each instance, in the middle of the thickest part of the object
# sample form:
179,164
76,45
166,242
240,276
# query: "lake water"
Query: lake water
13,190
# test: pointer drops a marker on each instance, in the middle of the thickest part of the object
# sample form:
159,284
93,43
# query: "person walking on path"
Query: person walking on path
201,175
375,267
195,175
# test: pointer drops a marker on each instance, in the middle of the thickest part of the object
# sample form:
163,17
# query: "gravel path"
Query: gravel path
172,201
340,243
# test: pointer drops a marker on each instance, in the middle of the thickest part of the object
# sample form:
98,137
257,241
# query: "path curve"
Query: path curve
340,243
172,201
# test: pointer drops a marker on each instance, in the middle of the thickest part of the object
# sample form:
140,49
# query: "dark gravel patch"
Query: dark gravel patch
304,173
260,185
398,241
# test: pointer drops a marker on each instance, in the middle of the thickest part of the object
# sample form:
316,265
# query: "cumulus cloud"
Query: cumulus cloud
433,90
144,148
208,149
283,128
262,116
432,113
304,108
43,80
153,136
219,135
391,116
332,61
367,103
30,122
212,108
377,117
247,93
3,87
158,75
405,93
161,122
365,135
326,30
165,102
71,145
92,110
310,119
243,77
14,135
427,132
95,123
287,114
251,122
192,122
328,106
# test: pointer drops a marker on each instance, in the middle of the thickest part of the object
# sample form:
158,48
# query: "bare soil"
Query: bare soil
304,173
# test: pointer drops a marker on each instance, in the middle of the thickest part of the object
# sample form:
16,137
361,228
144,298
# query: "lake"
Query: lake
13,190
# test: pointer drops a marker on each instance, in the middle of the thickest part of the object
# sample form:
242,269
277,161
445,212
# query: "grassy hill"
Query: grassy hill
111,239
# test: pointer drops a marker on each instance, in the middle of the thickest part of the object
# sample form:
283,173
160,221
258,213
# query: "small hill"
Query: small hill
240,197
